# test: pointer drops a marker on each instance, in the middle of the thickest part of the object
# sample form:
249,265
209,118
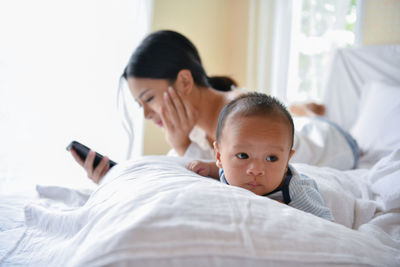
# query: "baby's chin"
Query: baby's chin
256,189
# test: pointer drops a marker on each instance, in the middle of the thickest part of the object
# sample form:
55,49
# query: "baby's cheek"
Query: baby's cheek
233,178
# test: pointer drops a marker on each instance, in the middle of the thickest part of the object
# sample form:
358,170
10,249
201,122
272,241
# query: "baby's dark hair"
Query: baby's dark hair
254,104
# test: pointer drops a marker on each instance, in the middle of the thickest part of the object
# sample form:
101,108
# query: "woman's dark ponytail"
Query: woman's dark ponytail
222,83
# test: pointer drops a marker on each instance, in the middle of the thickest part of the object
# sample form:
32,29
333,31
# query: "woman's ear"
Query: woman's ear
184,82
217,155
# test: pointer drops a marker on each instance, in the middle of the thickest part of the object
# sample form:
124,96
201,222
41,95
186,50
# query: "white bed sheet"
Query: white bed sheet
152,211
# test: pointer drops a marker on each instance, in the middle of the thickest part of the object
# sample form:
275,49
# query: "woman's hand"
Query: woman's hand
94,174
178,117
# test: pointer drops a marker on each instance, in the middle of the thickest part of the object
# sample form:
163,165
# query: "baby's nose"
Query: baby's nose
255,168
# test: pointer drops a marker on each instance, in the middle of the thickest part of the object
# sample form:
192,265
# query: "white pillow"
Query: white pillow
378,125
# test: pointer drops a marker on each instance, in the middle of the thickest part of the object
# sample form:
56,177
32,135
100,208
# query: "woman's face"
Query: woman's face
148,93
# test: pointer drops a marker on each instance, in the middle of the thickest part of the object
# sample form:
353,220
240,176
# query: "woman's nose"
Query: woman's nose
146,112
256,168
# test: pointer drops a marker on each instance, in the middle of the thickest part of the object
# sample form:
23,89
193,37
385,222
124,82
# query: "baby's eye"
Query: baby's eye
242,155
149,99
272,158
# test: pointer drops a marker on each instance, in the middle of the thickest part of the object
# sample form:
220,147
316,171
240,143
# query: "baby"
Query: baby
253,147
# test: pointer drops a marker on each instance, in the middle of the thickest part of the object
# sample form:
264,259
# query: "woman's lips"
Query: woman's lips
159,123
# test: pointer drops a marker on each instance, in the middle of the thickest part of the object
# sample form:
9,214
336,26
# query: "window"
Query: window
324,26
315,29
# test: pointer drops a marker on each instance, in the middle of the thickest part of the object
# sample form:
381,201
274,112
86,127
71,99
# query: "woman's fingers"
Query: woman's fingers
76,157
88,164
168,115
171,111
178,104
181,113
94,174
100,170
178,121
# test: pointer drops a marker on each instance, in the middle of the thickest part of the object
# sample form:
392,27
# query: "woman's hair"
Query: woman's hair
162,54
254,104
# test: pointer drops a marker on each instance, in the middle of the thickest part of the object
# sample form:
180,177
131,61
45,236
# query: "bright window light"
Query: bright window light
318,28
60,66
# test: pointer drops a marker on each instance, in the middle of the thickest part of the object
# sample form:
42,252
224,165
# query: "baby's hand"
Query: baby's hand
199,167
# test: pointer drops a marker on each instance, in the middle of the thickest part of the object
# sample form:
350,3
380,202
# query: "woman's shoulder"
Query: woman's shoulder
237,91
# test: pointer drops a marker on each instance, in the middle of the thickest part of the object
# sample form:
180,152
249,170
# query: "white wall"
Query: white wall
381,22
60,63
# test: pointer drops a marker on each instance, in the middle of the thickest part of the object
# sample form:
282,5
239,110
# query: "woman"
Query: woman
166,77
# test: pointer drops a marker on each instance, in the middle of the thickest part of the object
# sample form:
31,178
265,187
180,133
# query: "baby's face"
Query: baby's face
254,152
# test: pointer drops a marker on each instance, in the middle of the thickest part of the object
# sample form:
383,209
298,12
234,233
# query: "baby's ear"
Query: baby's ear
217,155
291,153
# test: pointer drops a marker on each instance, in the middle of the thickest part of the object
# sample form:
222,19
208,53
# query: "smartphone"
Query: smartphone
83,151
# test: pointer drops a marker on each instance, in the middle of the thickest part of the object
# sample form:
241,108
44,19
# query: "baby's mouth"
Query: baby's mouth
253,184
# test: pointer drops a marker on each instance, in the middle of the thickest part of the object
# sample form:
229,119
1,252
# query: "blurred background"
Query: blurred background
61,61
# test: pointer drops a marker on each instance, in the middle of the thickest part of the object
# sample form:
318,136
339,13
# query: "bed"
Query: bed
152,211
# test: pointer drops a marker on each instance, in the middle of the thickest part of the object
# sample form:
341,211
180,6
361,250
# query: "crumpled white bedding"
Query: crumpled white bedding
152,212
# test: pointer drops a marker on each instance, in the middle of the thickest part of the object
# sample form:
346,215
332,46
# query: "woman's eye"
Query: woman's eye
272,158
242,156
136,103
149,99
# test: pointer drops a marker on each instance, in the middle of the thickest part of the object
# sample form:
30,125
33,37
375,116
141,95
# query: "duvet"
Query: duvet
153,212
